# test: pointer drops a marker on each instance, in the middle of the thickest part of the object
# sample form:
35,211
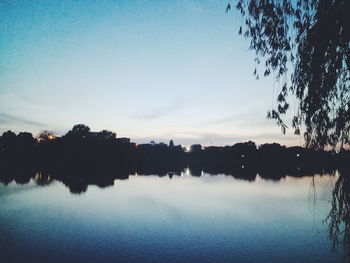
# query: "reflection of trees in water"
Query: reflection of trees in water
312,198
338,219
77,177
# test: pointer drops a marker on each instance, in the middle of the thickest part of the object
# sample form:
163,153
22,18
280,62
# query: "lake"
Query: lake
180,218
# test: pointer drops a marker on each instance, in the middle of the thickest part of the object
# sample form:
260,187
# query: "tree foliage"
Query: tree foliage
45,136
107,135
306,45
79,132
338,218
8,139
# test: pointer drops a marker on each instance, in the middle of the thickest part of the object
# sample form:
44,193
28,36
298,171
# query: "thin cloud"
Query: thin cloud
11,119
160,112
252,118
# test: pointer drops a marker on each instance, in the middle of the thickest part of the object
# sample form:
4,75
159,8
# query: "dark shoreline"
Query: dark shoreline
81,157
78,175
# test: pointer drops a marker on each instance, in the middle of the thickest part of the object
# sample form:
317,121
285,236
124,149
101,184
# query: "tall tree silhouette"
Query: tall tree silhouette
8,139
311,39
26,139
78,132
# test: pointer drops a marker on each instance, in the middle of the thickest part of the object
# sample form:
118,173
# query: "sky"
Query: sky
148,70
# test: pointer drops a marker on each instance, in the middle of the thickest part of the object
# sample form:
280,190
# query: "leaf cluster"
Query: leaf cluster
311,39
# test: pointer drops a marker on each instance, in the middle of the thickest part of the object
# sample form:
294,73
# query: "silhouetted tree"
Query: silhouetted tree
244,150
196,148
171,143
79,131
45,136
26,139
8,139
312,38
26,136
106,135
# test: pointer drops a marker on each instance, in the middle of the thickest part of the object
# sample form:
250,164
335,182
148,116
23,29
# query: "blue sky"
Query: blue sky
145,69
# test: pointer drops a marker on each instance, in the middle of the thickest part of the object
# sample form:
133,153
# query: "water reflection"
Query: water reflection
336,218
78,178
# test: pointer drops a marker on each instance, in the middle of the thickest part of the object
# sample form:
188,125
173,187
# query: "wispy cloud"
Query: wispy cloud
252,118
6,119
160,112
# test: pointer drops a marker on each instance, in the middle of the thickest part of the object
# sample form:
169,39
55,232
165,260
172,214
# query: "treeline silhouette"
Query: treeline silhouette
82,157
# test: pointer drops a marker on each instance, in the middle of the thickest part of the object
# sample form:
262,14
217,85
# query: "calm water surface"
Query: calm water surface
158,219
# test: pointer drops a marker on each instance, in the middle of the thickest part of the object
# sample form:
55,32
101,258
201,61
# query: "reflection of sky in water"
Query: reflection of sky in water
155,219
